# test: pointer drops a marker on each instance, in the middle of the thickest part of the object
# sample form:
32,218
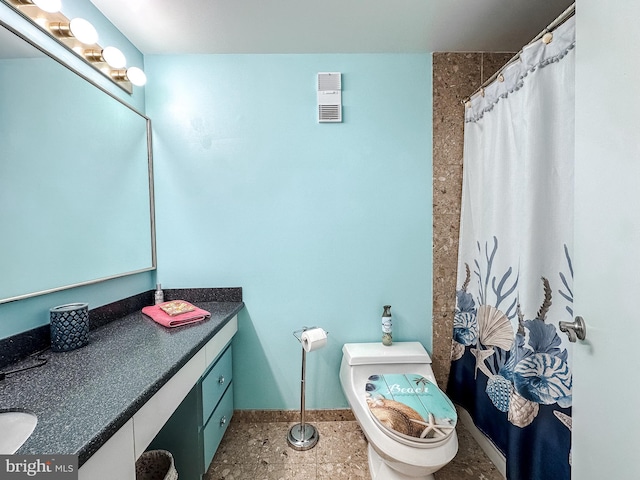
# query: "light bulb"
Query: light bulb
136,76
50,6
114,57
83,31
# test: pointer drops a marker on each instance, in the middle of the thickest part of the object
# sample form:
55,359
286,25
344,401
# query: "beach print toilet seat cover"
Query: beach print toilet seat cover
410,406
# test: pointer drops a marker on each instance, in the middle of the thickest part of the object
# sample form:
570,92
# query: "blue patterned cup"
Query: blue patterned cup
69,326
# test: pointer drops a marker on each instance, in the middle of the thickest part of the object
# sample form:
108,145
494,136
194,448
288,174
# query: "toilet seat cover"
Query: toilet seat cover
410,406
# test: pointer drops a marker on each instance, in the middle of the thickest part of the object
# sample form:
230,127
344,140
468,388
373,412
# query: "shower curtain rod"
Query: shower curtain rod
563,17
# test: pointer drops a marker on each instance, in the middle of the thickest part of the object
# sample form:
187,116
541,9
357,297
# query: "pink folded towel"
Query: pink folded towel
157,314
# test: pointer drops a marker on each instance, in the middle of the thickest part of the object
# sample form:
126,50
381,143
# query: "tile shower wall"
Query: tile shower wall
455,76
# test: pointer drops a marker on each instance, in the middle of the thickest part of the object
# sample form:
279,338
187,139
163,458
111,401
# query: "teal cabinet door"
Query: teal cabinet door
215,383
215,427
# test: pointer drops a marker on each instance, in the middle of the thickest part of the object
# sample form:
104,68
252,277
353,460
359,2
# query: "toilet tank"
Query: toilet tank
377,354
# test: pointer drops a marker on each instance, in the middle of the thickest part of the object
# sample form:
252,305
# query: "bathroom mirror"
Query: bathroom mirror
76,191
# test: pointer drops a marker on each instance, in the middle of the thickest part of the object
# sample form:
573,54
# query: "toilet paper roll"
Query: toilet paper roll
313,339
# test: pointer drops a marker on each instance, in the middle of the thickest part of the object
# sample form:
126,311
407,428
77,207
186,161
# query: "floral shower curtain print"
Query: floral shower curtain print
511,366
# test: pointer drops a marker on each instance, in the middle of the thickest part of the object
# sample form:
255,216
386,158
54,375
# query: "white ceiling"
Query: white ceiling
329,26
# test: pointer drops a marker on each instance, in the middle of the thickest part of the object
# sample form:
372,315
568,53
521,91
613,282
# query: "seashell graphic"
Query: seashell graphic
521,411
397,416
544,378
457,351
499,391
465,328
495,328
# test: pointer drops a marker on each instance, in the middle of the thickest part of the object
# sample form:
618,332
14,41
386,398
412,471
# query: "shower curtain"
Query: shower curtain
511,365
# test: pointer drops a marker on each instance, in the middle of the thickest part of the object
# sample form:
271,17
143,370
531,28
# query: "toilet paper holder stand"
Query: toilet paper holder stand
302,436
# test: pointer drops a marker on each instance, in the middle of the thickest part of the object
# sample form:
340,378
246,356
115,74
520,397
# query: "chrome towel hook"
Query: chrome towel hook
575,330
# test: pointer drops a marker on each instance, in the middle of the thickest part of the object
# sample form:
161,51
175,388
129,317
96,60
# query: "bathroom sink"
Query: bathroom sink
16,428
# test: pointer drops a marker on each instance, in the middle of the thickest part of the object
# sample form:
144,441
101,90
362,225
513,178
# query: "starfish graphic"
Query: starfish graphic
567,421
481,355
564,418
432,426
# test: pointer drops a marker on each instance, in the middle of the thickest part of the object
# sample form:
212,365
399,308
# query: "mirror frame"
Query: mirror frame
153,266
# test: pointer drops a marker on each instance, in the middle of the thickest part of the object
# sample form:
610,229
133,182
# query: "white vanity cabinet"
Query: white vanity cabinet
206,380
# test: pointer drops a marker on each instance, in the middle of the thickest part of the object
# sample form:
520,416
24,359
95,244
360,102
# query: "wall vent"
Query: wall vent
329,97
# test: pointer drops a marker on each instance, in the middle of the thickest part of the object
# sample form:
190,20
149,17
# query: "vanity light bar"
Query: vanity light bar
79,36
110,55
132,74
50,6
114,57
79,28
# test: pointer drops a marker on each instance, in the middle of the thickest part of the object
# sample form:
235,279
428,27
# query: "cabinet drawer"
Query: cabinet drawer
215,383
216,426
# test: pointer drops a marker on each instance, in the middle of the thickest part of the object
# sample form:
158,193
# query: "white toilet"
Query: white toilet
395,399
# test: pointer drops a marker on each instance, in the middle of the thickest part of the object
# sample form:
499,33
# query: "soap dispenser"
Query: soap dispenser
159,296
387,337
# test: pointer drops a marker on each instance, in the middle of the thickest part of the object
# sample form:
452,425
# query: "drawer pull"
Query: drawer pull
221,379
223,421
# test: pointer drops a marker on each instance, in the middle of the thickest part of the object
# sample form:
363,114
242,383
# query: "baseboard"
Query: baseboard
485,444
265,416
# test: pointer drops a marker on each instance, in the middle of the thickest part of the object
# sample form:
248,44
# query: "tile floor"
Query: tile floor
258,450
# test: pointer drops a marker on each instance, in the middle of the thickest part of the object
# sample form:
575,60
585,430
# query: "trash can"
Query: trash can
156,465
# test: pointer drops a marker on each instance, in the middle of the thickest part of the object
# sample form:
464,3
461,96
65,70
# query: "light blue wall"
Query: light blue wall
321,224
24,315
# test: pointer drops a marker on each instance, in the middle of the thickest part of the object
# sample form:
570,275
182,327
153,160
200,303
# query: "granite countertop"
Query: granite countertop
84,396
